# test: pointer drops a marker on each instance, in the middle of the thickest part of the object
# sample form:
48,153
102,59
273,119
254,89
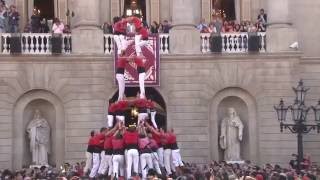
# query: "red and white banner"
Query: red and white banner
151,61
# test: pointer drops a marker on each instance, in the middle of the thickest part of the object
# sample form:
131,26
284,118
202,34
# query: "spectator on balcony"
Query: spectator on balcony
13,19
260,27
44,28
242,28
262,18
154,28
237,28
165,26
2,20
57,27
35,21
27,27
216,24
107,28
66,29
203,26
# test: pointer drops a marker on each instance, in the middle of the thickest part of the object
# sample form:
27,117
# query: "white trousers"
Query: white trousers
132,157
105,164
176,158
155,160
121,42
138,43
88,162
146,164
102,163
167,161
96,164
118,164
160,155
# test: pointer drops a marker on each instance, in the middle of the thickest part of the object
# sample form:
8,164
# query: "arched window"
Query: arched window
152,94
132,7
225,8
45,8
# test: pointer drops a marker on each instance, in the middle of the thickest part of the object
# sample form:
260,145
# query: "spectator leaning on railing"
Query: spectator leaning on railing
57,27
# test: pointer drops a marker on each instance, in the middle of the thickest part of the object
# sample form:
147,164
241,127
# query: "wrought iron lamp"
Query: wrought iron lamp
299,112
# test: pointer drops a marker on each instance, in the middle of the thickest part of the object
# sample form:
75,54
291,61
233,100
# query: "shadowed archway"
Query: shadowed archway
152,94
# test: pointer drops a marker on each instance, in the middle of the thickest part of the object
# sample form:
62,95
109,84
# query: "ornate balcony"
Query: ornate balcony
35,43
40,43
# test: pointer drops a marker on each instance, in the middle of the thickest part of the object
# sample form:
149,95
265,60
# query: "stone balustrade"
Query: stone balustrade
35,43
231,43
40,43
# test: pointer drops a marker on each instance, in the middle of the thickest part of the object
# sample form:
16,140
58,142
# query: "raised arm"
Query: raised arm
153,130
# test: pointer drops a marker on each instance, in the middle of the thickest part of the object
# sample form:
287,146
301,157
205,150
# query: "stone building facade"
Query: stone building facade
73,90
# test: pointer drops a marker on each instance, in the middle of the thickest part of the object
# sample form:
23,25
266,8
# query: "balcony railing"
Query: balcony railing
40,43
35,43
231,43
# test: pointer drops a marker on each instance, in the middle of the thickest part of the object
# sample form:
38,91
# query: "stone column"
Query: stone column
184,37
206,10
165,10
280,32
87,36
155,10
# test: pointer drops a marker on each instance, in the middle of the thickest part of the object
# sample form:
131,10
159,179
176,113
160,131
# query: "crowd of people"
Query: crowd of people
212,171
220,25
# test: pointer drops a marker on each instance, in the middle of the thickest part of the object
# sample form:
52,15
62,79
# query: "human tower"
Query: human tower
142,148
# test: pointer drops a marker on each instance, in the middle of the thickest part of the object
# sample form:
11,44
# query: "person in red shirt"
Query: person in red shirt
175,151
97,142
158,137
117,143
155,158
119,33
145,152
89,153
131,137
140,40
106,155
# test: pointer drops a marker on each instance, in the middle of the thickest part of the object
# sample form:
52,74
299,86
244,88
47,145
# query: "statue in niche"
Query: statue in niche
39,134
231,136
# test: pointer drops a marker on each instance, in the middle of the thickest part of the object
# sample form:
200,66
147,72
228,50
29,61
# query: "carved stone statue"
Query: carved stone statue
231,136
39,134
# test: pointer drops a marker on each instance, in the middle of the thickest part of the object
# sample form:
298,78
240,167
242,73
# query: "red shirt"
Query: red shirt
117,143
153,144
120,26
172,139
157,138
144,33
98,140
91,141
108,142
136,22
131,138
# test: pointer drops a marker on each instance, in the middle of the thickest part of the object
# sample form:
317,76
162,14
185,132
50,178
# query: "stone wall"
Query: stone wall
192,86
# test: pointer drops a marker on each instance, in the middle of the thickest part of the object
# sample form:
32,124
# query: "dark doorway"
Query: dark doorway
152,94
46,8
132,7
225,7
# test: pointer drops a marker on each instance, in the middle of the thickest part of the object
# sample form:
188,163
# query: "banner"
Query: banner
151,61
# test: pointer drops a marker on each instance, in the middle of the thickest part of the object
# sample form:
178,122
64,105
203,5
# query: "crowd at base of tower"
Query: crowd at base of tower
212,171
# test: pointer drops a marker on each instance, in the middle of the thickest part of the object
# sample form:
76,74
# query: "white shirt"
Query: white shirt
57,29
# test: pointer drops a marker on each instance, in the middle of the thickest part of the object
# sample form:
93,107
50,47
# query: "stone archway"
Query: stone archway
152,94
54,112
246,104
